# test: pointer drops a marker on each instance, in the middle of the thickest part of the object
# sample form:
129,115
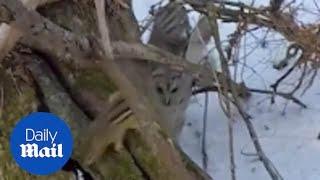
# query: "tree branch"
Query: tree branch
85,52
280,21
12,34
284,95
273,172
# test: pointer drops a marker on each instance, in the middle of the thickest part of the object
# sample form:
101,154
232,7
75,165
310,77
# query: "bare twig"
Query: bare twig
301,78
273,172
280,21
288,96
146,24
204,133
284,95
275,85
231,150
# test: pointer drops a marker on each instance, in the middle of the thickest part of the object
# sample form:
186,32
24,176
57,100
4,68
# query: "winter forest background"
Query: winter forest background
266,48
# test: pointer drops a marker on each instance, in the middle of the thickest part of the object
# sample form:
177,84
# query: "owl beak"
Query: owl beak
167,101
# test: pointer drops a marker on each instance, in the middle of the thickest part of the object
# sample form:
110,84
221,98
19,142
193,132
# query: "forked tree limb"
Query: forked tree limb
40,33
11,34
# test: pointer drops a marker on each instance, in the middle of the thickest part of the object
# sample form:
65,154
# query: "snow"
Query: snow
289,140
287,132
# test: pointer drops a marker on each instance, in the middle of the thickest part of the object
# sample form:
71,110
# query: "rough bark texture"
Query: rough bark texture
33,80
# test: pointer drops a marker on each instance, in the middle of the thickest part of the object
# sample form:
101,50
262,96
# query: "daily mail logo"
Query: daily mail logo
33,150
41,143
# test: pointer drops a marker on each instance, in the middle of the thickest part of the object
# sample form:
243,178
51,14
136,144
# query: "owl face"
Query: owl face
171,88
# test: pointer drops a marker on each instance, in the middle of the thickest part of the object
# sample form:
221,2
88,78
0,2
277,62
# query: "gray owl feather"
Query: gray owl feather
170,90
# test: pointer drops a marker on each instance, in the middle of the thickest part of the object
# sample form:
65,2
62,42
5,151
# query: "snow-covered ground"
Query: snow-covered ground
288,133
290,139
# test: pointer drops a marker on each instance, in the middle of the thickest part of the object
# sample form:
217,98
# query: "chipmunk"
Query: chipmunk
109,128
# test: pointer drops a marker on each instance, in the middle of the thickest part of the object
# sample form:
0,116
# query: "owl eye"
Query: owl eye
159,90
174,90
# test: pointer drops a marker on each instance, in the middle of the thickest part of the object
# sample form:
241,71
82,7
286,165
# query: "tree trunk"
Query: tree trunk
33,79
